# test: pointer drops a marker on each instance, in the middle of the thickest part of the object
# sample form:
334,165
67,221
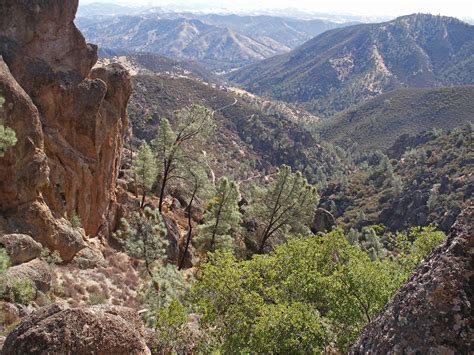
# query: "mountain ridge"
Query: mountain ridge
346,66
403,111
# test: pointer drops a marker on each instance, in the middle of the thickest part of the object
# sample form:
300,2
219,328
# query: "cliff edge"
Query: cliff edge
69,120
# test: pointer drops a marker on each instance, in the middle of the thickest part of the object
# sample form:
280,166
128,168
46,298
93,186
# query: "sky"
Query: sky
456,8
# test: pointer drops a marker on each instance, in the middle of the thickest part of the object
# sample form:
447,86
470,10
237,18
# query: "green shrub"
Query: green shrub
21,290
4,265
96,298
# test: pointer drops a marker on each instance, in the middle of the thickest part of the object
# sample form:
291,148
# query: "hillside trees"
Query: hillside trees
221,218
287,204
173,148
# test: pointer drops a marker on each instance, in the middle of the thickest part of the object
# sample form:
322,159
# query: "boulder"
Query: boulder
38,271
432,312
58,329
323,221
89,258
173,236
20,248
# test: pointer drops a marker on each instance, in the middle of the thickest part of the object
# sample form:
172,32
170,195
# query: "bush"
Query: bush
96,298
21,290
4,264
173,333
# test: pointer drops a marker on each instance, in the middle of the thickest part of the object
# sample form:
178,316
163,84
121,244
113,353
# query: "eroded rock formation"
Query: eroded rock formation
432,313
69,119
58,329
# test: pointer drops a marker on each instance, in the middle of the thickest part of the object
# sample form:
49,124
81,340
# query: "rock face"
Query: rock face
57,329
432,313
70,121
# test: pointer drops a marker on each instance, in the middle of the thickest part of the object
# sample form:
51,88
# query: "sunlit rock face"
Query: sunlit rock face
70,121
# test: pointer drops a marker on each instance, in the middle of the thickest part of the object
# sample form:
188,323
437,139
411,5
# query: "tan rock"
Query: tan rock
21,248
70,121
38,271
57,329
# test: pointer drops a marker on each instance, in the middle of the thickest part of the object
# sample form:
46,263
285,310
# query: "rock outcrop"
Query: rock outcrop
323,221
58,329
70,121
432,313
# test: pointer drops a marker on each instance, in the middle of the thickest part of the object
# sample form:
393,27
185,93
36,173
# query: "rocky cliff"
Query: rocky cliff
69,119
432,313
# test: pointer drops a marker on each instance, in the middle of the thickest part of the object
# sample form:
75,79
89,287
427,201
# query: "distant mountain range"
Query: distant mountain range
346,66
220,42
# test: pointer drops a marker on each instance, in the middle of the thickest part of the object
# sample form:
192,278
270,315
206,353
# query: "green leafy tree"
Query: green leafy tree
308,294
144,167
286,205
221,218
173,148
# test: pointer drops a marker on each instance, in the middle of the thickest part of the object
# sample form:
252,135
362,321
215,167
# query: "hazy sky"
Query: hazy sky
458,8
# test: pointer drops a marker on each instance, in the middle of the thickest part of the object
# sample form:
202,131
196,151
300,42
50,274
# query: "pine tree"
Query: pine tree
286,205
145,169
196,181
221,218
143,237
174,148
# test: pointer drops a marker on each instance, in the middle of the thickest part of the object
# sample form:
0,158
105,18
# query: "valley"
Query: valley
269,181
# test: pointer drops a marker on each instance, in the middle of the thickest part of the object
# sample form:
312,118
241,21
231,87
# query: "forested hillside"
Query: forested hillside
429,182
406,111
250,139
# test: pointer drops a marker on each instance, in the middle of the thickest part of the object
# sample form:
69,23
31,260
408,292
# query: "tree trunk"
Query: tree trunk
190,229
143,199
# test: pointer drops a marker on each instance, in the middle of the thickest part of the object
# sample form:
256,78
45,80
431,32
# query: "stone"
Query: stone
323,221
70,120
175,205
20,248
89,258
435,304
37,270
173,237
58,329
10,313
